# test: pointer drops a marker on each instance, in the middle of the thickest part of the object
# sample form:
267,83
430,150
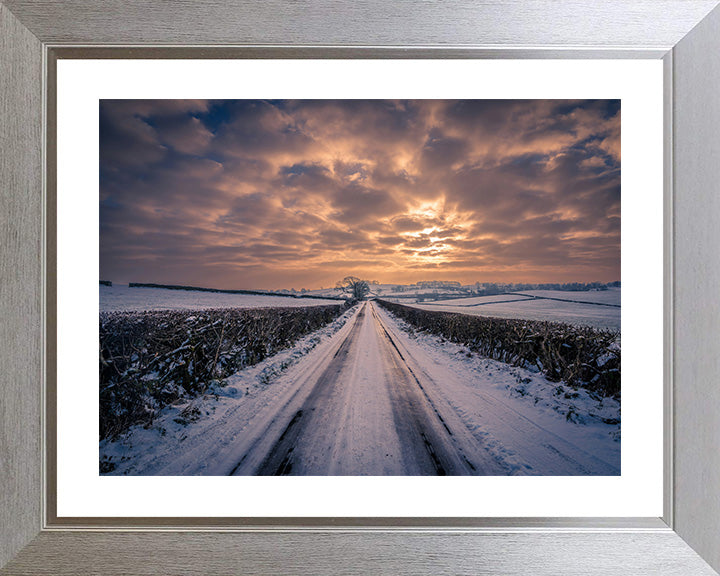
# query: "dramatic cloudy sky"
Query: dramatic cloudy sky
281,194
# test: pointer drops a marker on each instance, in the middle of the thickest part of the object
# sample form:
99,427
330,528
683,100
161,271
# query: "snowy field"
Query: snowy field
605,317
389,291
465,302
596,308
611,296
119,297
508,420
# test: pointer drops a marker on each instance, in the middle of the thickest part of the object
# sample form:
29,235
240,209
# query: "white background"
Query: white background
82,492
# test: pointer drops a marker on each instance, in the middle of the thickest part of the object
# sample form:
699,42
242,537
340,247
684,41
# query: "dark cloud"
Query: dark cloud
441,152
355,204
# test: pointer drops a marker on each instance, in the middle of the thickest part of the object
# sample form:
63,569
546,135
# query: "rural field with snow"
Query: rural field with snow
117,298
599,309
218,384
360,288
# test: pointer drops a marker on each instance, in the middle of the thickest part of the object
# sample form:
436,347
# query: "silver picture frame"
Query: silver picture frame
685,34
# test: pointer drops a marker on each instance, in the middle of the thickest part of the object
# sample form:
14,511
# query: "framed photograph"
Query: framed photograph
359,291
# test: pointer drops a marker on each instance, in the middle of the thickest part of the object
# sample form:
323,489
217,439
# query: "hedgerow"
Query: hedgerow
151,359
577,355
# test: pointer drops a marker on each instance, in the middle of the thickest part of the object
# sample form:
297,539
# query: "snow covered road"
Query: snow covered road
370,397
367,415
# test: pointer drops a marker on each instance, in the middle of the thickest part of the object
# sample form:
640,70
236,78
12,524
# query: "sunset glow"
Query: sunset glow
281,194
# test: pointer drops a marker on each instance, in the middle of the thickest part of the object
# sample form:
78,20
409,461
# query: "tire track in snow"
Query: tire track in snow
279,461
414,408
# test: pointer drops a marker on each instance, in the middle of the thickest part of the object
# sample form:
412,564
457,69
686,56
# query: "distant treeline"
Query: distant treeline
490,289
255,292
577,355
571,286
105,283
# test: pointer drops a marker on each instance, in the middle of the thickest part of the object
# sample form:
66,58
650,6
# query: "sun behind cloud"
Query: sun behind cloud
274,194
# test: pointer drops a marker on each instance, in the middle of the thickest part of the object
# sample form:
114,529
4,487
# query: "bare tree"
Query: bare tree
355,287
